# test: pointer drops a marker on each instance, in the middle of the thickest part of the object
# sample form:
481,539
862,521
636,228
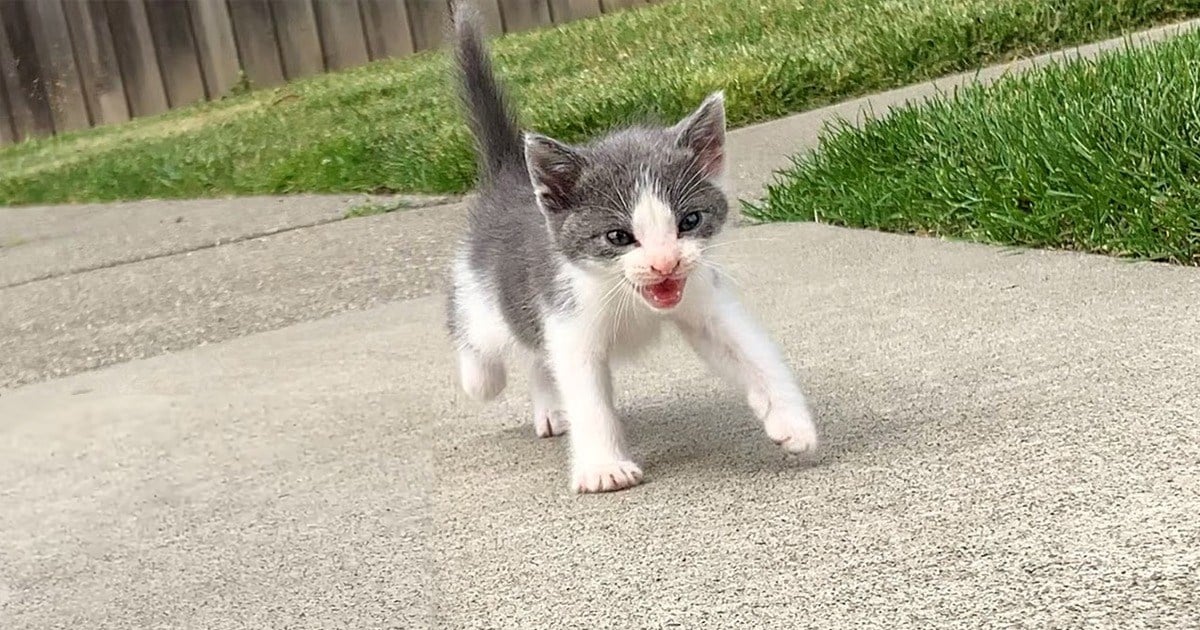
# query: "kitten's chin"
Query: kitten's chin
664,295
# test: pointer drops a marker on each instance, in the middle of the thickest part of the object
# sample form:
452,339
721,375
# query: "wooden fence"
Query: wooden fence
72,64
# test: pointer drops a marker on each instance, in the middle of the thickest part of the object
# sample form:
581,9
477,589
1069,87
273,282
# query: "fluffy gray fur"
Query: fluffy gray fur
516,244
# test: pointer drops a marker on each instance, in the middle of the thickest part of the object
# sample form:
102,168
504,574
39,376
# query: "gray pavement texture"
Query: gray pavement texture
40,242
1011,440
284,262
75,322
249,419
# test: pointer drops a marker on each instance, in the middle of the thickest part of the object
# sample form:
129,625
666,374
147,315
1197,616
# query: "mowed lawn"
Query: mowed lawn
394,126
1099,156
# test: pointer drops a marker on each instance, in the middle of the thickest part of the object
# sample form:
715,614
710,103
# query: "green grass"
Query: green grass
1099,156
395,127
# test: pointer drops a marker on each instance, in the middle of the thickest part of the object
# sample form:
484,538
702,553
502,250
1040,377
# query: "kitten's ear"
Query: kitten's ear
703,132
554,169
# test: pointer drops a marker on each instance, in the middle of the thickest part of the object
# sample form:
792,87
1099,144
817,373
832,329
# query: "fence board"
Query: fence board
215,45
341,30
134,48
8,135
522,15
489,12
171,27
429,19
299,40
27,100
386,25
611,6
99,73
254,31
569,10
48,25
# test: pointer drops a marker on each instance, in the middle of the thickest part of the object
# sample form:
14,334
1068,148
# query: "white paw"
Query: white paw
606,477
549,422
792,428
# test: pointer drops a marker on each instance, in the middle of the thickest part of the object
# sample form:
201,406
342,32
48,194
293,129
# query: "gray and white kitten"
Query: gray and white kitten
578,255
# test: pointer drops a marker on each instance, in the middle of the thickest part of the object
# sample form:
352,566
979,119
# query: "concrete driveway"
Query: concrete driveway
1012,439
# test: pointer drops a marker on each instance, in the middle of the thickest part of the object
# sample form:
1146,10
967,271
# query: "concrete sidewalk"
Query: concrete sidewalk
1010,441
118,313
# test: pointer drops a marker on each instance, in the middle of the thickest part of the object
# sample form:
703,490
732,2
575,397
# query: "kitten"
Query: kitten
579,254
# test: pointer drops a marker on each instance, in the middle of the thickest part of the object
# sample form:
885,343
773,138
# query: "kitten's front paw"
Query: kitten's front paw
792,428
606,477
549,422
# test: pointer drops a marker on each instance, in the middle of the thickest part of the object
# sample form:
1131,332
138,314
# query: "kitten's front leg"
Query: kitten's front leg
549,419
599,461
737,347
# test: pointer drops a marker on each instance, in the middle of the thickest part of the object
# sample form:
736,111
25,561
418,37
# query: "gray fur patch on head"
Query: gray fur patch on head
588,191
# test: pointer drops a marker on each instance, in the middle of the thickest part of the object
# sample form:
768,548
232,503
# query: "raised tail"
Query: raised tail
497,134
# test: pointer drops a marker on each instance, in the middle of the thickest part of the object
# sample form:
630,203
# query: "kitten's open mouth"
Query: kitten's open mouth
665,294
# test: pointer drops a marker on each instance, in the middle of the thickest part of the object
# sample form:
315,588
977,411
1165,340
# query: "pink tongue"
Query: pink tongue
665,294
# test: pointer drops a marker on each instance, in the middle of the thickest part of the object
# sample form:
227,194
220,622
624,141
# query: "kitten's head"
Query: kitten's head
638,205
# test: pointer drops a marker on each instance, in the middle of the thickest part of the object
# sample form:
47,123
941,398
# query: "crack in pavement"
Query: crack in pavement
178,252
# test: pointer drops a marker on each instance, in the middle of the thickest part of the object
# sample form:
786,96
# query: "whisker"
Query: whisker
739,240
721,271
601,309
620,316
693,181
607,195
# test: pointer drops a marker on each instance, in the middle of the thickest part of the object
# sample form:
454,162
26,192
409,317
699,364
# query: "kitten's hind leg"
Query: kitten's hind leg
482,375
549,419
481,333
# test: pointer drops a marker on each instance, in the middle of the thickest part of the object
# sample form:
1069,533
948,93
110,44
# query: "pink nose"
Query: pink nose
665,266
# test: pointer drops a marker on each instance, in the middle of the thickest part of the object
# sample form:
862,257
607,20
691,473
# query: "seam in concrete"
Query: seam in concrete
180,252
433,202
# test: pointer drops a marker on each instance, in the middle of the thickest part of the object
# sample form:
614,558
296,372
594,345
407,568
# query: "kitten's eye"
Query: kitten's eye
620,238
689,222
